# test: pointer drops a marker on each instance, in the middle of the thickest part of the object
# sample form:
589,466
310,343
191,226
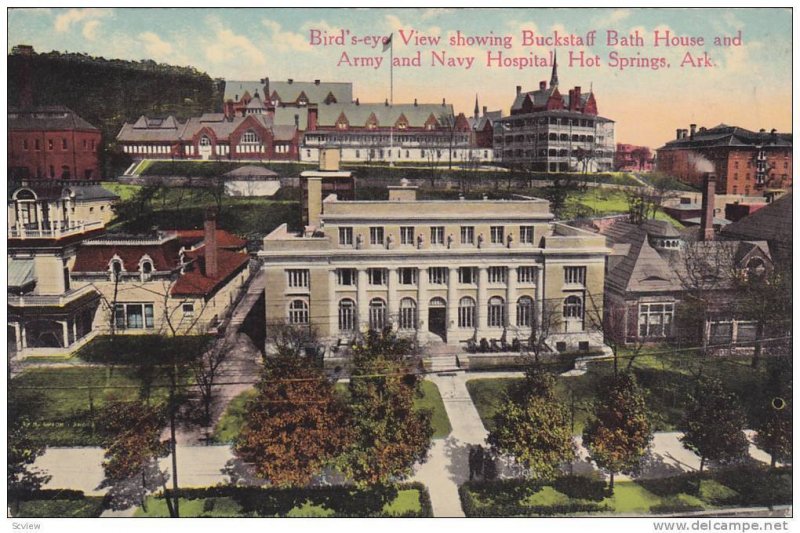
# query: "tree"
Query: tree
295,425
21,452
131,434
714,424
774,429
534,428
291,340
389,436
619,433
547,323
205,370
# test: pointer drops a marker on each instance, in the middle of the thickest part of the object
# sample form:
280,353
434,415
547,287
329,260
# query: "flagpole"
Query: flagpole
391,99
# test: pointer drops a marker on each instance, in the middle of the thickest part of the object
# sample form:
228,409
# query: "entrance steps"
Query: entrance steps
442,356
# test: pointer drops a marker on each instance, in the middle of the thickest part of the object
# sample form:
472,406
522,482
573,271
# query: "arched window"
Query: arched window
525,312
408,314
146,268
437,303
756,268
250,137
377,314
573,307
497,315
298,312
466,312
205,141
347,315
116,268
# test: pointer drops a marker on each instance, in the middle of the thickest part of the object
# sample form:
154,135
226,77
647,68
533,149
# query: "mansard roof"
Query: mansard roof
387,115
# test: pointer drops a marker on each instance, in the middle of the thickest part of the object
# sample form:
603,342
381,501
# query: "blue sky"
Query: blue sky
750,85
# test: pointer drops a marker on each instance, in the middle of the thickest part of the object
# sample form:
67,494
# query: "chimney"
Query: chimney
678,133
519,89
443,102
707,215
684,133
415,102
357,103
762,130
211,243
314,191
542,86
692,130
316,82
291,81
386,102
484,111
297,121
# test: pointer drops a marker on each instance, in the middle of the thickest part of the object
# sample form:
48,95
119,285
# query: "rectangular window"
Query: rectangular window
467,234
497,274
36,144
407,235
298,278
468,275
575,275
377,276
24,144
437,275
346,276
437,235
526,234
188,310
721,333
655,320
345,236
376,235
746,331
408,276
133,316
49,144
526,274
497,234
63,144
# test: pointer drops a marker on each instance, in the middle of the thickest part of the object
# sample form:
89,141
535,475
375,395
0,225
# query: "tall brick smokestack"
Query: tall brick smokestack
707,216
210,239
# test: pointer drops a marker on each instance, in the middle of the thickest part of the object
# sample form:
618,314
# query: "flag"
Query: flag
387,42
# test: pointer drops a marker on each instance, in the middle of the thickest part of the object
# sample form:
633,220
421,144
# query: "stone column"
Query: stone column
393,303
39,215
363,303
483,299
18,336
422,298
511,297
452,301
65,327
333,308
539,294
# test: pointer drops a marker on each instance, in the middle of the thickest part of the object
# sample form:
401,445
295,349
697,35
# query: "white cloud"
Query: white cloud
435,12
236,52
286,40
155,46
90,29
89,17
617,15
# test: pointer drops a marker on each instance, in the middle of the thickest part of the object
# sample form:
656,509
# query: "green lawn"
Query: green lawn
61,402
330,502
431,399
231,421
125,192
581,495
667,378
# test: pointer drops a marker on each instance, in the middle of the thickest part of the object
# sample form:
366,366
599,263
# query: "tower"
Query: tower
554,74
477,109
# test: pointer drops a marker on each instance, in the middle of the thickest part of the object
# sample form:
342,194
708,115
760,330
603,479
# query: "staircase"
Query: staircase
442,356
254,290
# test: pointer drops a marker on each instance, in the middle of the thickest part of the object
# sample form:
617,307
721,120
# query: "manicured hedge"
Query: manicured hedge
54,503
345,502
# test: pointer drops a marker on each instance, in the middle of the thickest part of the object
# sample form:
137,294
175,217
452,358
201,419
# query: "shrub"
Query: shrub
581,487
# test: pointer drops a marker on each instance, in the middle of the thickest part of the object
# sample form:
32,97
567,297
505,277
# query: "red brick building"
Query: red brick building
632,158
51,142
744,161
211,136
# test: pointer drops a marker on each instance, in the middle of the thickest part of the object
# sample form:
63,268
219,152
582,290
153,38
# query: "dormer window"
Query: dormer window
116,268
756,268
146,268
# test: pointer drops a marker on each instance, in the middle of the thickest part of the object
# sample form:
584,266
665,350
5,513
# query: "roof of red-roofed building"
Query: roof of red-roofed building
195,282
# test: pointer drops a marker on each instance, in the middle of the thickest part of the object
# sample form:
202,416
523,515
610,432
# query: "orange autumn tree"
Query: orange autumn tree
295,425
